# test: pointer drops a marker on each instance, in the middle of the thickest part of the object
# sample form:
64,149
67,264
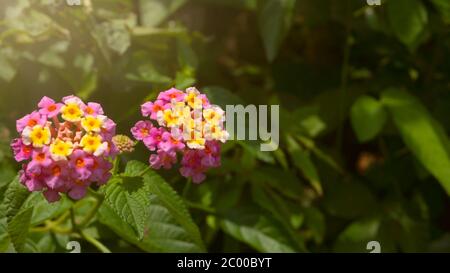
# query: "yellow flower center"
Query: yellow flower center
71,112
92,124
193,100
61,149
170,119
40,136
91,143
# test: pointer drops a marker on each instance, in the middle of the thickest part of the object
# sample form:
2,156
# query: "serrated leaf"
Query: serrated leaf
421,133
257,229
18,228
134,168
129,198
15,196
169,226
162,234
368,117
173,202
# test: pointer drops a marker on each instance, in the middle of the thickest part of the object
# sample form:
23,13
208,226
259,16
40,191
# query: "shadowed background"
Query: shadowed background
363,92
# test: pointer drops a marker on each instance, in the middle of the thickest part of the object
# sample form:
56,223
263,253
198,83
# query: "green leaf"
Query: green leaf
253,148
43,210
154,12
170,199
142,70
356,236
315,221
408,19
15,196
5,240
368,117
168,226
274,23
18,228
256,228
129,199
162,234
288,213
134,168
420,133
303,162
221,96
115,35
283,181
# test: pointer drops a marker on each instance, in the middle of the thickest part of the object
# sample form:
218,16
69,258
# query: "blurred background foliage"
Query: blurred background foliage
365,111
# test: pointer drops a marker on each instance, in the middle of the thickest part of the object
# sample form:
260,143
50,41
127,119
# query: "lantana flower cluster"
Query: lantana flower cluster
183,123
65,147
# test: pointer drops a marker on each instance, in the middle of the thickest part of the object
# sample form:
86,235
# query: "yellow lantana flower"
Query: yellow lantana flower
193,98
71,112
38,136
60,150
93,124
93,144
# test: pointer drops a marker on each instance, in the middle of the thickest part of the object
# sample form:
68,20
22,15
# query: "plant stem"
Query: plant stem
200,207
53,225
94,242
86,236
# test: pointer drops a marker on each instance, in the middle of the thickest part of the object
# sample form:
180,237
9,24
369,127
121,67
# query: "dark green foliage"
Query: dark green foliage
364,120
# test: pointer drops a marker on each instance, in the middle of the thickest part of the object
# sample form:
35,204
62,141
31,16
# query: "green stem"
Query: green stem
200,207
86,236
94,242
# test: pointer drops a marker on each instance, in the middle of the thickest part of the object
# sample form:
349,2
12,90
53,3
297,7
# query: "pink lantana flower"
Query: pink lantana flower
21,151
172,95
151,109
182,122
192,166
65,146
56,175
170,143
93,109
48,107
30,120
39,159
142,129
163,159
153,140
80,163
